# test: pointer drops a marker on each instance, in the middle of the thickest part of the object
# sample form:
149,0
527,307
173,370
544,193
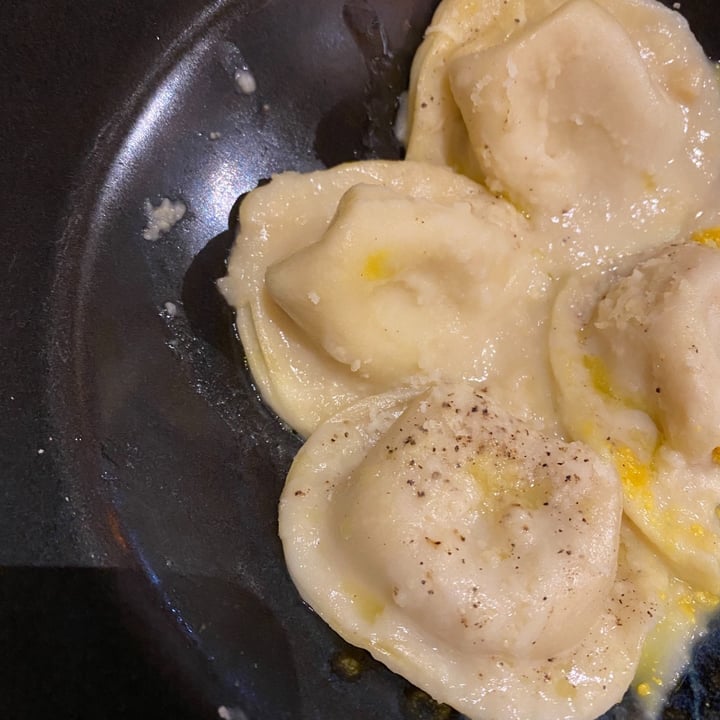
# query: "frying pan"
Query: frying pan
132,437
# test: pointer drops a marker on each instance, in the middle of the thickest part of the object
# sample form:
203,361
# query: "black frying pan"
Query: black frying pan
163,465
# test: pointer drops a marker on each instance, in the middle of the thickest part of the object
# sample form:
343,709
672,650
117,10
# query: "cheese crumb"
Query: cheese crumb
245,81
231,713
163,217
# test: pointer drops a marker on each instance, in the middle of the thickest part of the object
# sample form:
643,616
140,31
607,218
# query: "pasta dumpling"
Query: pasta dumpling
399,286
353,280
580,112
476,556
634,363
566,109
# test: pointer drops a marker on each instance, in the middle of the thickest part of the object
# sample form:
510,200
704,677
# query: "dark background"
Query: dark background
70,647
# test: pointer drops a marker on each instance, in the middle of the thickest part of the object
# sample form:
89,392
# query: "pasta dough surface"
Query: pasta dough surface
353,280
634,357
581,112
433,530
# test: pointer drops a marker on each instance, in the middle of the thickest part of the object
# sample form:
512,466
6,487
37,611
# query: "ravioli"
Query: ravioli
476,556
656,332
354,280
580,112
634,363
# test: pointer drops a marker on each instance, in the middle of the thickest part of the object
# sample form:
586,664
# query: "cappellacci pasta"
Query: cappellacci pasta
502,353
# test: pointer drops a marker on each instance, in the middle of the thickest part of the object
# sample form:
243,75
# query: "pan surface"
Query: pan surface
171,465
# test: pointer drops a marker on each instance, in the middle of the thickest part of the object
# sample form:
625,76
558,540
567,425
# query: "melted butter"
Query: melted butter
564,688
635,476
650,183
668,646
708,236
502,482
678,533
599,376
671,525
368,606
377,266
602,383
